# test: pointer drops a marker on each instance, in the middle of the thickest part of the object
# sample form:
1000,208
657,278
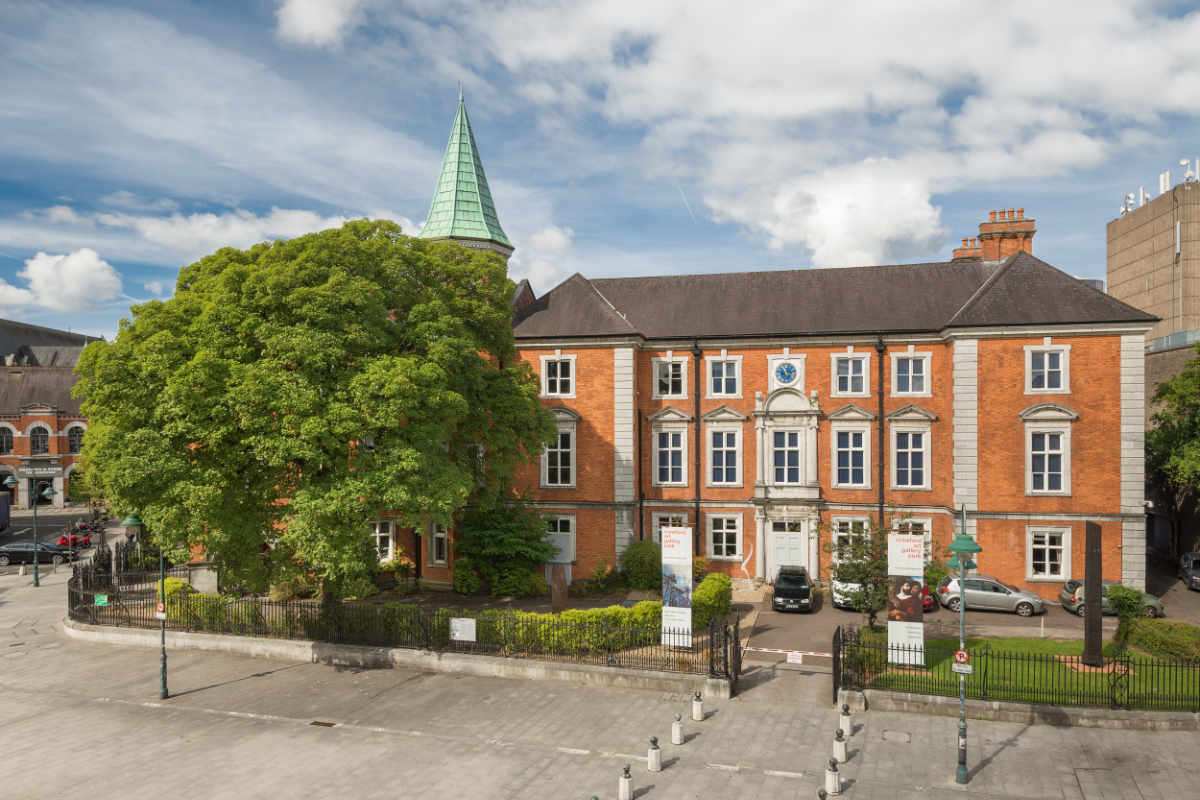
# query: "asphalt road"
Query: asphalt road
51,524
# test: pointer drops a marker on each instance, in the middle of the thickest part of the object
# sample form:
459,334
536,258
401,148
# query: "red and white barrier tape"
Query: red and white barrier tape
785,652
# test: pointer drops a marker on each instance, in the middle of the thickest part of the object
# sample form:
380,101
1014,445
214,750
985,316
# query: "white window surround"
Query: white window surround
864,358
737,523
384,535
669,428
790,435
849,427
669,358
555,525
736,430
559,356
1065,533
926,450
668,518
567,422
1054,419
724,357
927,358
438,534
1064,351
844,527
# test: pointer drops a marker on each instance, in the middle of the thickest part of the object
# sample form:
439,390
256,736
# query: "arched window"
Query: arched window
74,440
5,441
39,441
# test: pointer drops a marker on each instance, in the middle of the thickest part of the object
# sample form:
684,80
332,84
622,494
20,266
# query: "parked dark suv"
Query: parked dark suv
1189,570
793,590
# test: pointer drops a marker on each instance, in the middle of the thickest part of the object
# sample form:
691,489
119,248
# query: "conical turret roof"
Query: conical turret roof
462,206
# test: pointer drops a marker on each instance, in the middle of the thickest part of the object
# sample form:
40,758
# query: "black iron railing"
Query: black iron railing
1126,681
129,599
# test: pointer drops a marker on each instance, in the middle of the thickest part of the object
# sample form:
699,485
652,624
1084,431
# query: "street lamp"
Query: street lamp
46,492
132,521
963,547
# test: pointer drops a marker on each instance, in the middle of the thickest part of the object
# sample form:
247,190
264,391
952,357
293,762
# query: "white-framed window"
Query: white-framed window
382,533
724,457
916,525
1048,368
843,529
1048,459
670,519
670,456
39,441
1047,553
558,460
785,457
724,537
724,375
670,377
910,374
560,530
851,374
75,439
851,456
6,440
910,457
439,545
558,375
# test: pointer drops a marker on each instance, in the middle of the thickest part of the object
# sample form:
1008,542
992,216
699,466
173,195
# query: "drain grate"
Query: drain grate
320,724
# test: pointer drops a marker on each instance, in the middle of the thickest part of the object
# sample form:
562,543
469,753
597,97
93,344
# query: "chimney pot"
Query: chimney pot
1012,213
974,243
991,216
964,244
1020,213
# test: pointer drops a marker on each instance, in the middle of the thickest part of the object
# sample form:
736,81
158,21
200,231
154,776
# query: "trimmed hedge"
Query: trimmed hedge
711,600
1167,639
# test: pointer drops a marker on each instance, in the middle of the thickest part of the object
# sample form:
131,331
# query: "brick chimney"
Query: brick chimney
970,249
1005,233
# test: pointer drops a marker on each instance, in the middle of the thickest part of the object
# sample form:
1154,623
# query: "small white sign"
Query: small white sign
795,658
160,615
462,629
962,669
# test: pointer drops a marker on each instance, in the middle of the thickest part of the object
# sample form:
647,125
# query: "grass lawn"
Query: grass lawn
1046,671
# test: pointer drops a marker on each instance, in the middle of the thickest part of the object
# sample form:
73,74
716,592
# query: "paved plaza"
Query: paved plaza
83,719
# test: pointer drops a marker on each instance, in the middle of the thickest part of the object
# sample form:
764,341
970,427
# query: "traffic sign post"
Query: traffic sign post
961,656
160,612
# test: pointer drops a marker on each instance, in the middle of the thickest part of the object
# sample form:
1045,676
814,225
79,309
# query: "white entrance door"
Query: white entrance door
789,546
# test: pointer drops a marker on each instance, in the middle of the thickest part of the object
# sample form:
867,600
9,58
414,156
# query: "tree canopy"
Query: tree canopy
288,394
1173,445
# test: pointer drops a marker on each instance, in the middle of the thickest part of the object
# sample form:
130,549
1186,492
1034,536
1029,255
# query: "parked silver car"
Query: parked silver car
986,593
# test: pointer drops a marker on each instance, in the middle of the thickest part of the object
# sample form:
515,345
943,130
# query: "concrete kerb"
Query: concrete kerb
355,656
1027,713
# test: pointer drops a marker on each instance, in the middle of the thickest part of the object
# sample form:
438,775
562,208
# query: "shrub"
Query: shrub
466,579
1128,604
642,564
359,586
172,587
537,585
505,540
712,600
699,570
1166,639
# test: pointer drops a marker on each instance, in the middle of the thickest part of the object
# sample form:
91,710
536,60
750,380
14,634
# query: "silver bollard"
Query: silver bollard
677,730
21,571
625,785
845,721
654,757
833,781
839,746
697,708
820,795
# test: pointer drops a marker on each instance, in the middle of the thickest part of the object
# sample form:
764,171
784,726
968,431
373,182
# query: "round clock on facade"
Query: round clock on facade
786,372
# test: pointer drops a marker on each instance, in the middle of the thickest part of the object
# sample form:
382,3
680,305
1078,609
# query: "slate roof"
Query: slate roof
14,335
1020,290
21,387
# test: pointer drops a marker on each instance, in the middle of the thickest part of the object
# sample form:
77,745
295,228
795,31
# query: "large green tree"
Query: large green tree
289,393
1173,447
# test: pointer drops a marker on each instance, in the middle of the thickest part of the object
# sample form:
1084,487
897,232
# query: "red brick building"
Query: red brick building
773,411
41,426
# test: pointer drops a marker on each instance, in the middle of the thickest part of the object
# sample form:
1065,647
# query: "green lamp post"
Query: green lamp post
133,521
963,547
46,492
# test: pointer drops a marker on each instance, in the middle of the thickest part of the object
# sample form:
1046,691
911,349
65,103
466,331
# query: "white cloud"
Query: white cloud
155,288
552,240
198,234
321,23
71,282
131,202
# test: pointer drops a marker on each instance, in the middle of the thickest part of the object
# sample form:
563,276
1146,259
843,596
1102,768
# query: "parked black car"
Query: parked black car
22,553
793,590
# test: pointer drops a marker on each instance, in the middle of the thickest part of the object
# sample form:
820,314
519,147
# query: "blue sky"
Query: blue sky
619,137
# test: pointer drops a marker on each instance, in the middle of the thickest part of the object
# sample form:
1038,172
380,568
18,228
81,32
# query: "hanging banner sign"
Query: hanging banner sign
905,608
677,586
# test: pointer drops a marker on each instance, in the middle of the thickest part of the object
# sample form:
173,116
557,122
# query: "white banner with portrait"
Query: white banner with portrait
905,606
